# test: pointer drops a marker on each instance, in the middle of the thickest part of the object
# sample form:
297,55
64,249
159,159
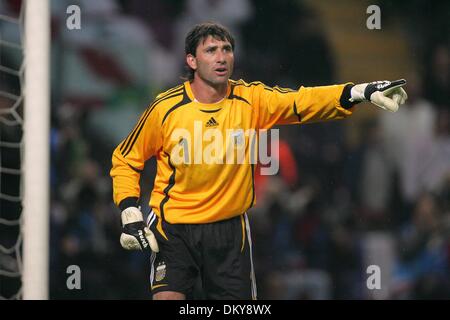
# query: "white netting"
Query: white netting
11,121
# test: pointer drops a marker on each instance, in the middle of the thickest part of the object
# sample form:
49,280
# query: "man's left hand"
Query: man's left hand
387,95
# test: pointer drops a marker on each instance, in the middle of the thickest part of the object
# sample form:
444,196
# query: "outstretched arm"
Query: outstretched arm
277,106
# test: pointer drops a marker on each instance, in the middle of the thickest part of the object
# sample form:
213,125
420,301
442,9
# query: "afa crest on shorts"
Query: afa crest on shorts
160,271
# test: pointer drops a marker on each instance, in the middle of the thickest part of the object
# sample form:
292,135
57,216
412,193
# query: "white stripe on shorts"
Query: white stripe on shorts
152,272
151,218
252,272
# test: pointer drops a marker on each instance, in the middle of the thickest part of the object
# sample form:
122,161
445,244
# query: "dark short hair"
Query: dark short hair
199,33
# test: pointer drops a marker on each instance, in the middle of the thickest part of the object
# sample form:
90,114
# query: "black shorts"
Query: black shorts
218,256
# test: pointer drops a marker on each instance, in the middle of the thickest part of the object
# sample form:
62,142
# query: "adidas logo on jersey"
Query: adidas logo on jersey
212,122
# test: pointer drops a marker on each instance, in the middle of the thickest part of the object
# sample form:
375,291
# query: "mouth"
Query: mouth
222,71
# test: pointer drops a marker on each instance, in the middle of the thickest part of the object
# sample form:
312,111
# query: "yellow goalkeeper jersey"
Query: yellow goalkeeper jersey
198,179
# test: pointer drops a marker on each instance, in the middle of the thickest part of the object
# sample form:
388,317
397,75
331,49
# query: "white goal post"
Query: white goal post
35,228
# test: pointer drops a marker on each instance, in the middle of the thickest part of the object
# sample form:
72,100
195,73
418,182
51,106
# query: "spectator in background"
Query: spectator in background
376,179
437,164
406,137
437,76
422,267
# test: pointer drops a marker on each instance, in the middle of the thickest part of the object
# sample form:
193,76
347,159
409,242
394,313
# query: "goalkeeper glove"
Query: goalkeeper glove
384,94
135,234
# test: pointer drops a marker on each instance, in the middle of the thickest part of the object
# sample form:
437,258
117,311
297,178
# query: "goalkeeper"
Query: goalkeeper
198,226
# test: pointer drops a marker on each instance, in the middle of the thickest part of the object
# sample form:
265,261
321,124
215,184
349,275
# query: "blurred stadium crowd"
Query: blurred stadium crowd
338,205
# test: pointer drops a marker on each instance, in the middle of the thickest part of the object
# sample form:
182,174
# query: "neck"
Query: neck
208,93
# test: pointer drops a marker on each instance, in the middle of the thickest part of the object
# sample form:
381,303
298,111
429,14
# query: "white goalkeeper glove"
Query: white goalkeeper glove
384,94
135,234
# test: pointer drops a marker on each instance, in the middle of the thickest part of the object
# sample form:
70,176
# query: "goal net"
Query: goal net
11,127
24,149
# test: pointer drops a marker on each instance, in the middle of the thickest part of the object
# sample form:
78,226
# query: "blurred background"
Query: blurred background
370,190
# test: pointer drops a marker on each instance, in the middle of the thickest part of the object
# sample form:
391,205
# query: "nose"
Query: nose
220,57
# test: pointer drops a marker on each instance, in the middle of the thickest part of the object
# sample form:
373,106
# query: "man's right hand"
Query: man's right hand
135,234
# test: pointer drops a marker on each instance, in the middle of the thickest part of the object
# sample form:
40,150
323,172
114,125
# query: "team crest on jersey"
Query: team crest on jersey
160,271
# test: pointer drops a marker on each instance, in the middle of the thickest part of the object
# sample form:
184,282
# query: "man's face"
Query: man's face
213,62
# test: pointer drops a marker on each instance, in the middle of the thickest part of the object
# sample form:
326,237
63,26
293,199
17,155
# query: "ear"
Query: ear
191,61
